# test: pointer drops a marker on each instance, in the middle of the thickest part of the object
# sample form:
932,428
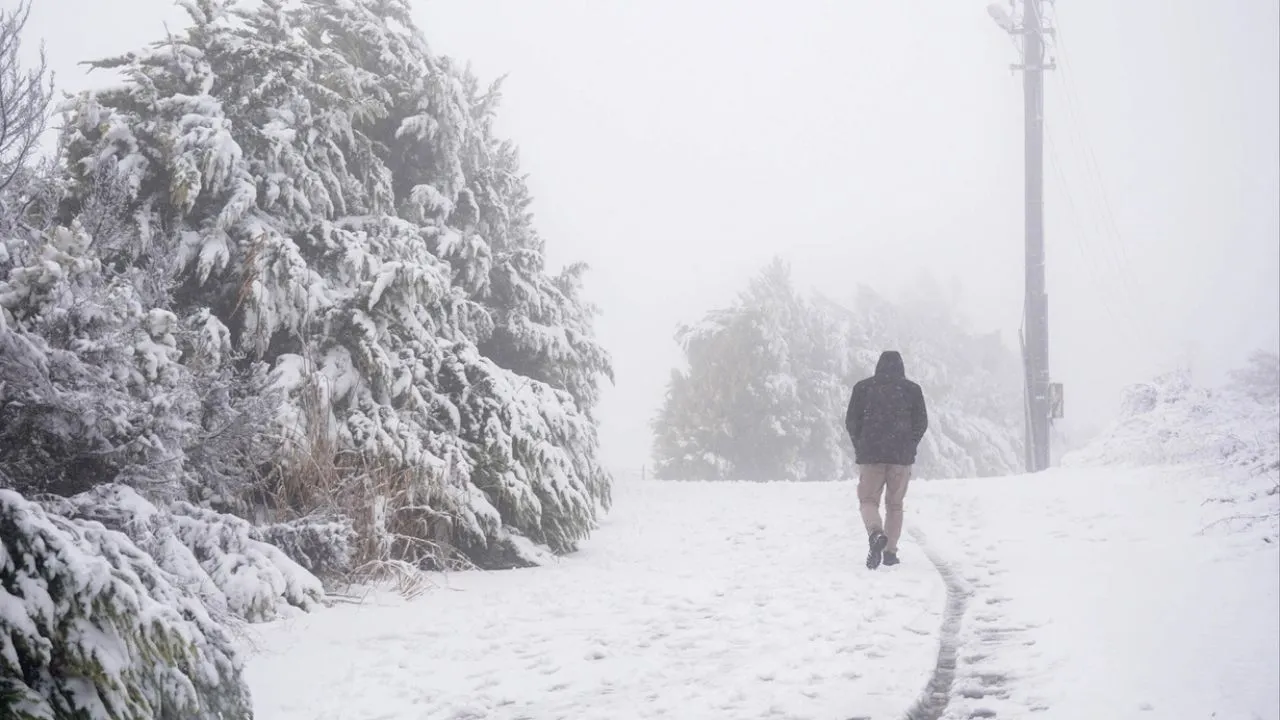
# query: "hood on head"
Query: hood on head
890,365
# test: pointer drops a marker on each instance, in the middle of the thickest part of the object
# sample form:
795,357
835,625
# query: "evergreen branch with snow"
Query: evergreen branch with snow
91,626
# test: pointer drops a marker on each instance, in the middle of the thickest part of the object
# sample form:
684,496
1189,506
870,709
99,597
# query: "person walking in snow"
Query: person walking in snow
886,421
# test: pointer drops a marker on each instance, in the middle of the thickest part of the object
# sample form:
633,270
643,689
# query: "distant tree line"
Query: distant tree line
766,382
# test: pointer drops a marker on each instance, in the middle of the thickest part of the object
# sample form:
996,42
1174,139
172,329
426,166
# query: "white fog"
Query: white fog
282,311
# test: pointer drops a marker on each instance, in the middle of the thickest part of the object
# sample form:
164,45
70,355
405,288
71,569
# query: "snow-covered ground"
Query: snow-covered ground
1110,593
1091,593
692,601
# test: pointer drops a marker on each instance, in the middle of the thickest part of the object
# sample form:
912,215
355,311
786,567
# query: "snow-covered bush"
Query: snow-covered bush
258,579
323,546
1171,421
768,380
1230,433
91,627
218,557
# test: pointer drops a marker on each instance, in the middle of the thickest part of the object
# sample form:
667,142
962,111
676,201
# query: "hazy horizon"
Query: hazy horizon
677,147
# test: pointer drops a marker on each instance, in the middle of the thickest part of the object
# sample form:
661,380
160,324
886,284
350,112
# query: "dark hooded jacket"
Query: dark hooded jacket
886,418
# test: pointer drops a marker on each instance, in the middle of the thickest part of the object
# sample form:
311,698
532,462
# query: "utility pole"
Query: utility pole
1035,346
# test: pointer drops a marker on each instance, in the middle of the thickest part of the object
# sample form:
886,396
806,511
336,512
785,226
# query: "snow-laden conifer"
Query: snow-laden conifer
327,201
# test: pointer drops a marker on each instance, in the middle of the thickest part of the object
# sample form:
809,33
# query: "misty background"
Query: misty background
677,147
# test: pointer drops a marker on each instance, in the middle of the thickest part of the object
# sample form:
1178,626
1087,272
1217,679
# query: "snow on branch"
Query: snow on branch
218,556
91,626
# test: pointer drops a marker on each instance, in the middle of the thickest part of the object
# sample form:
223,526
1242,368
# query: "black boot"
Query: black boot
890,558
876,542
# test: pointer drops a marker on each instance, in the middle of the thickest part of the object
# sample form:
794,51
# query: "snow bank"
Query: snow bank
1170,421
1231,434
1097,594
92,627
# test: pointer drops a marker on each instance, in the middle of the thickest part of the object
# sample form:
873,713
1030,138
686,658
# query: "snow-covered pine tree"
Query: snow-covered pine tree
90,387
94,390
450,169
305,175
745,409
688,432
822,372
452,173
767,382
970,381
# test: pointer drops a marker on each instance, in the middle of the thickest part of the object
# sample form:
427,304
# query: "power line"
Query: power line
1101,291
1105,225
1091,270
1118,245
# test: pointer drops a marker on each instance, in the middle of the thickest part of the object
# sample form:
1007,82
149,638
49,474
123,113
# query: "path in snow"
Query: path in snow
1097,595
936,697
692,601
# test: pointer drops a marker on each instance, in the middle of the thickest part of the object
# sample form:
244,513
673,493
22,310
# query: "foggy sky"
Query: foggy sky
677,146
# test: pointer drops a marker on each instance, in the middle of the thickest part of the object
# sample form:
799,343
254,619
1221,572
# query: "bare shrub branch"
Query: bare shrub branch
24,96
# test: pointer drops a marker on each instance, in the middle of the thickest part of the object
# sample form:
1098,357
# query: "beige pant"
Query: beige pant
872,482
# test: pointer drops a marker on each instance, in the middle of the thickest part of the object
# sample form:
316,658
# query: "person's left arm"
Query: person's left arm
919,415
